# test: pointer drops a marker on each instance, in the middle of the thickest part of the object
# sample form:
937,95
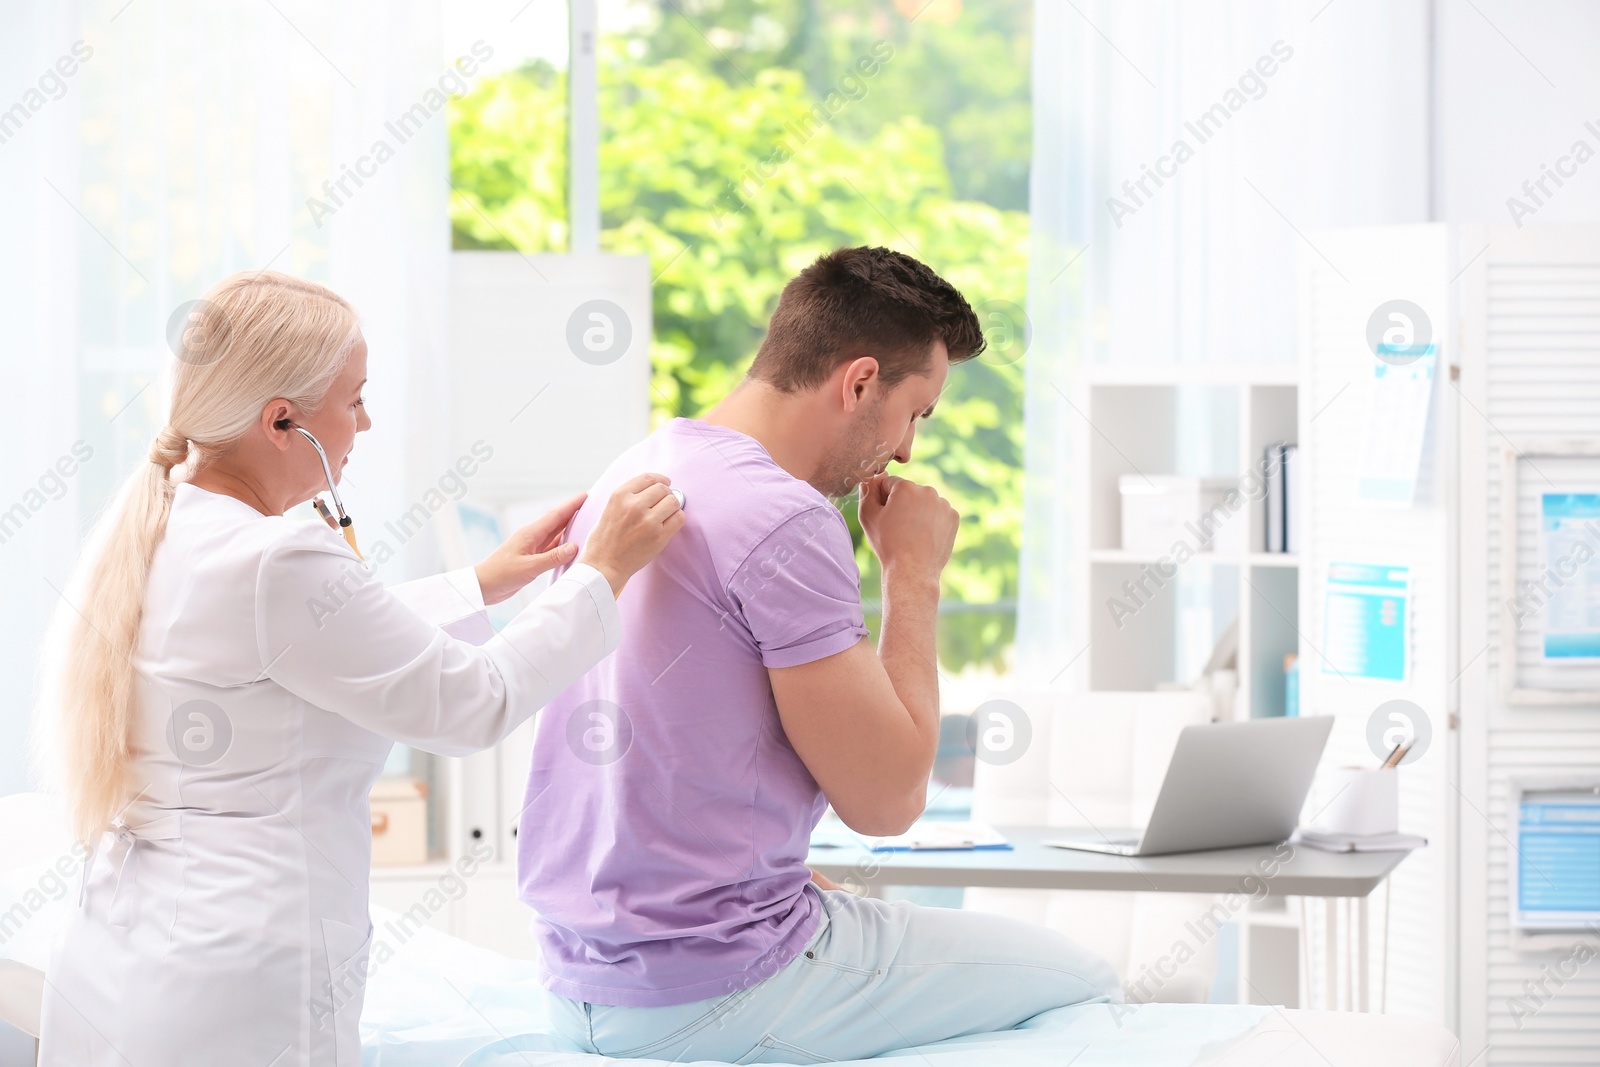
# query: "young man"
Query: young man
674,788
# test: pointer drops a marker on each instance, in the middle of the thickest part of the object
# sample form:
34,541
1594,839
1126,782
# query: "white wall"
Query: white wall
1515,82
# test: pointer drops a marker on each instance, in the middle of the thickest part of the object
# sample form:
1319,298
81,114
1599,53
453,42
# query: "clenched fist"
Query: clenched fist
910,526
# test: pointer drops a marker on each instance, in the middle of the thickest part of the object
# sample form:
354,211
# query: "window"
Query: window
740,139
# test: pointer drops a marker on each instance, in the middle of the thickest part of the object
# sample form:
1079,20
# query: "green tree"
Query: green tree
962,66
508,162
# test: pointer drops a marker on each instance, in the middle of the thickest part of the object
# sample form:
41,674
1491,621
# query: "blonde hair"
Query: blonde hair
254,337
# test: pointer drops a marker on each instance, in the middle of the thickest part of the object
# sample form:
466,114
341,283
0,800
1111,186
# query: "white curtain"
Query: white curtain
185,144
1200,268
1292,116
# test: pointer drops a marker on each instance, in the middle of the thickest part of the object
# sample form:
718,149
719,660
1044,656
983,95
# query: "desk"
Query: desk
1029,864
1032,865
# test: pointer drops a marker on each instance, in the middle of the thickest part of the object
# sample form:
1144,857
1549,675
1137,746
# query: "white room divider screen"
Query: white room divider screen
1530,390
1402,942
1515,318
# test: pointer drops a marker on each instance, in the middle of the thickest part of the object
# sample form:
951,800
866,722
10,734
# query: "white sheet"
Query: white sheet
442,1001
435,1001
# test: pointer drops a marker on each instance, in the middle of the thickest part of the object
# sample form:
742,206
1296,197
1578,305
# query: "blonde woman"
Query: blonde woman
220,727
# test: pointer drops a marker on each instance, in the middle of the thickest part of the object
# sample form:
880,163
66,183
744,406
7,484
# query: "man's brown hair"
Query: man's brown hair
864,302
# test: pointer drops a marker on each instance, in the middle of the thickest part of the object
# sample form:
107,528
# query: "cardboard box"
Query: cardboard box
399,822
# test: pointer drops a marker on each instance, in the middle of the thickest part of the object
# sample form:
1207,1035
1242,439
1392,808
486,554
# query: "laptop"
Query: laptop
1229,785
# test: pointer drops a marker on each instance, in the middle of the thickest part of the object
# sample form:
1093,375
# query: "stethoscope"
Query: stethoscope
343,523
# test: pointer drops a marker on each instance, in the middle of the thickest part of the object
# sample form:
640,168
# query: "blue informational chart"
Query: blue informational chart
1569,544
1557,859
1367,621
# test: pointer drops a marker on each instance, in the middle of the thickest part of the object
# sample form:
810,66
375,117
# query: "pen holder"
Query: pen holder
1361,801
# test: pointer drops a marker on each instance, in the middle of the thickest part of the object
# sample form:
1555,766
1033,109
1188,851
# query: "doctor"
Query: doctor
228,685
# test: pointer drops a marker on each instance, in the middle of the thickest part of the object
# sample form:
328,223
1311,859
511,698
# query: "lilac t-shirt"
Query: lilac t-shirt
663,841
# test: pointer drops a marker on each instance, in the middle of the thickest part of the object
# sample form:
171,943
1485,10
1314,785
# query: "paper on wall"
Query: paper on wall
1397,427
1366,621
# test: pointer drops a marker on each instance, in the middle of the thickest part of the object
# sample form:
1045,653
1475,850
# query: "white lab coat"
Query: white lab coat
226,922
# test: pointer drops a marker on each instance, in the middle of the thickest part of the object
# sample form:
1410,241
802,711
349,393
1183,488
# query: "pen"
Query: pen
1396,756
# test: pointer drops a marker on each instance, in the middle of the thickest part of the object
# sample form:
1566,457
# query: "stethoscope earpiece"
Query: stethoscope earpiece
345,525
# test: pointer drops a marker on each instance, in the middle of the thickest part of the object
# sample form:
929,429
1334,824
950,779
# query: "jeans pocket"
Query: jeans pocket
818,956
775,1050
630,1020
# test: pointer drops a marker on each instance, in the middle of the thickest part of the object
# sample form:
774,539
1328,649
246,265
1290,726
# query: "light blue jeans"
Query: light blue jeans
876,976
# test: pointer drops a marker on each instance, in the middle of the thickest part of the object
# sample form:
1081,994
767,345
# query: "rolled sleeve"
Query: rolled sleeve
799,592
815,648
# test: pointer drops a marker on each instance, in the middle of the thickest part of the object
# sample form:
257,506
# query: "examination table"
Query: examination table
440,1001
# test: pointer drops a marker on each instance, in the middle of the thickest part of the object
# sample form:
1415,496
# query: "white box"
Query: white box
1366,800
1163,511
399,822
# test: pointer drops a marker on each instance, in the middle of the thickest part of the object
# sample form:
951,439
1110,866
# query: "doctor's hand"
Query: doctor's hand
528,553
638,521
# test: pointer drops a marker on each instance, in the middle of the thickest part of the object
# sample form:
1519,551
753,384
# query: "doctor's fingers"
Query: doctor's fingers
666,519
665,506
650,497
546,531
640,483
539,562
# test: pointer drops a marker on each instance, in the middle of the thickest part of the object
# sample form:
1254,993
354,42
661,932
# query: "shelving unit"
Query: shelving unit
1140,421
1212,421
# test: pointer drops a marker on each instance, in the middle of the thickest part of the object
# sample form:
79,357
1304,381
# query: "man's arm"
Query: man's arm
866,724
